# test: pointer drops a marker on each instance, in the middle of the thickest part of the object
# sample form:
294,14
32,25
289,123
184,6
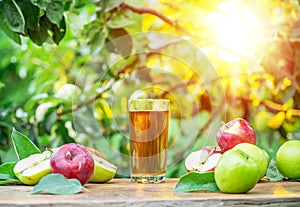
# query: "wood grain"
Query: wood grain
121,192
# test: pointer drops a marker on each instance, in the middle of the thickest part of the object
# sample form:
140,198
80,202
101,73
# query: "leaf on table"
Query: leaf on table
9,181
57,184
23,145
273,173
4,176
195,181
8,169
7,175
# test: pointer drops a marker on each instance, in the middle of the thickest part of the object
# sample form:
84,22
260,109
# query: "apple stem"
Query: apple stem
85,189
224,124
68,154
49,149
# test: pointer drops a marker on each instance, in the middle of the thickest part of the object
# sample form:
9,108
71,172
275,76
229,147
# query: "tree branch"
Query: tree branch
267,103
143,10
279,107
274,106
88,102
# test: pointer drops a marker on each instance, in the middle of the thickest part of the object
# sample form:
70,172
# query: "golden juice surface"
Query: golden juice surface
148,142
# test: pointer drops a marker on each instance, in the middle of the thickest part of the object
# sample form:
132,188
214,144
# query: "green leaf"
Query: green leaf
4,176
98,40
273,173
8,169
6,29
59,32
11,34
23,145
13,16
7,175
1,9
40,35
31,14
110,4
62,131
194,181
122,19
55,11
9,181
57,184
42,4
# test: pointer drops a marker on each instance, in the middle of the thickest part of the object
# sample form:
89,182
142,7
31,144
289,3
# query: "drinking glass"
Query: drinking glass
148,127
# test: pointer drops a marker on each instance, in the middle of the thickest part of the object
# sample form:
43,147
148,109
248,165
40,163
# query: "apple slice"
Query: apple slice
203,160
211,162
31,169
104,171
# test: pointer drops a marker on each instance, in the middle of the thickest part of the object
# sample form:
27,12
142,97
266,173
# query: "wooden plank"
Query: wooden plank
121,192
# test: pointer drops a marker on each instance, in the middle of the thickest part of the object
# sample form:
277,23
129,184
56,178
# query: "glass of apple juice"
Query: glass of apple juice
148,128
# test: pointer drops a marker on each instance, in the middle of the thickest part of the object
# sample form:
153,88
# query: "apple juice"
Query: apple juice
148,144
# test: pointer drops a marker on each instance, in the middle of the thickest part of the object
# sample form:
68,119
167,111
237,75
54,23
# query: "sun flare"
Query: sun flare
236,30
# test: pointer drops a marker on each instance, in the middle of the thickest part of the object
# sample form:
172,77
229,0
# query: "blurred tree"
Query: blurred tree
68,69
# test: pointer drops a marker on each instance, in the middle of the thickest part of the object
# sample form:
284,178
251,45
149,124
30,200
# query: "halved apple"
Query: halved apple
31,169
104,171
203,160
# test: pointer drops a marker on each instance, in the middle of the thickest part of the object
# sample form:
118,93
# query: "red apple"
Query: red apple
73,161
203,160
235,132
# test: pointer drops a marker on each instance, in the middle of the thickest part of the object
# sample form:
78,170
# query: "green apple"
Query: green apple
41,111
236,172
104,171
31,169
259,155
69,92
288,159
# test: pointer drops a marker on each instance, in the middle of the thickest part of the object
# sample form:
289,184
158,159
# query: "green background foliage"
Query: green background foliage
56,85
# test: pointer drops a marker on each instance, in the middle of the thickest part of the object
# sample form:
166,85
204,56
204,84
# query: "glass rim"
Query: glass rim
149,105
149,100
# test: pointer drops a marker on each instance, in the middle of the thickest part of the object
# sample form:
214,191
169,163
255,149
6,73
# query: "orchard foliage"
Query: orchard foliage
39,20
68,68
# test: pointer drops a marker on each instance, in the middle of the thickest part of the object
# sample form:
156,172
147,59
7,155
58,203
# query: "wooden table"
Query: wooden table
121,192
